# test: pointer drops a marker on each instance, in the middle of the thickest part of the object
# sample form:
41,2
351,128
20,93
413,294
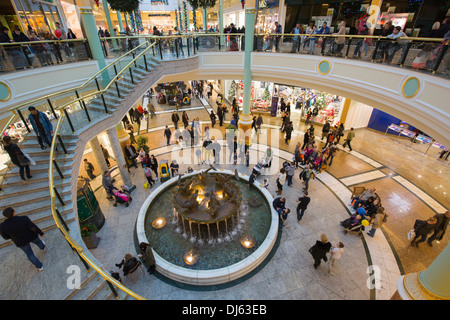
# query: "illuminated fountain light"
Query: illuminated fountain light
159,222
191,257
248,241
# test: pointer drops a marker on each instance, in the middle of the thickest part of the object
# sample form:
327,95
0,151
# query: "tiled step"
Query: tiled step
15,180
36,196
41,166
40,210
25,189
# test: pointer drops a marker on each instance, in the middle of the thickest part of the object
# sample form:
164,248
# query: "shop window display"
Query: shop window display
329,106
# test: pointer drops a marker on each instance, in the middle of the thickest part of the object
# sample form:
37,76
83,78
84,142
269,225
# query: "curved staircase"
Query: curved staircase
32,198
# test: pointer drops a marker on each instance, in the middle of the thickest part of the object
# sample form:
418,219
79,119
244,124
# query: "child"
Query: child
149,176
283,214
266,183
336,253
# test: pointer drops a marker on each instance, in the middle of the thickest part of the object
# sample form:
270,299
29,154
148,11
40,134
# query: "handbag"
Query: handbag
23,160
411,234
32,162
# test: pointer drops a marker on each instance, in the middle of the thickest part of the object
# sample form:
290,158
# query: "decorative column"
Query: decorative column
430,284
345,108
221,18
109,23
90,28
98,155
245,122
205,23
119,17
116,138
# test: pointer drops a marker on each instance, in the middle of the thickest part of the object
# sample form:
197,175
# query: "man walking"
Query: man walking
349,138
107,183
302,205
167,134
89,169
443,220
175,119
105,155
41,126
21,230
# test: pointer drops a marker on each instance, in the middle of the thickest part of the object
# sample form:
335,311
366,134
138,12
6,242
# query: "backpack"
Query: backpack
418,223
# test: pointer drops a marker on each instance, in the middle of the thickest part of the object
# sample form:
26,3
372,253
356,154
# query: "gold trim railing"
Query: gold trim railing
104,274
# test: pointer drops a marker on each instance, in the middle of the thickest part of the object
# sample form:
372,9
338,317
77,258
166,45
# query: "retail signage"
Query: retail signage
158,2
274,109
268,3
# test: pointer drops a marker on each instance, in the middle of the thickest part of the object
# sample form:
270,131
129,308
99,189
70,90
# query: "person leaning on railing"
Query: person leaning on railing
397,44
15,52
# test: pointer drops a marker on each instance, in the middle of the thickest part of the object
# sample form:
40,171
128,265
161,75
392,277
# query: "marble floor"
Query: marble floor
410,183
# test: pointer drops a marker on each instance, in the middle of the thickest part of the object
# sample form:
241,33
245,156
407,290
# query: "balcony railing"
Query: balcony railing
425,54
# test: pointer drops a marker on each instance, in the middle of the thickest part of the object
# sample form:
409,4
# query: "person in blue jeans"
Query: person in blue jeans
303,205
22,231
41,126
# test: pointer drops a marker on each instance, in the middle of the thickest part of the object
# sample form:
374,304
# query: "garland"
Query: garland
194,19
186,17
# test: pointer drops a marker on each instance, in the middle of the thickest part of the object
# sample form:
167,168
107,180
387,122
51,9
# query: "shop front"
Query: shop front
268,97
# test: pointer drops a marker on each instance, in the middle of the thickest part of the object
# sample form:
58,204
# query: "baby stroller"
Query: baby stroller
121,196
164,171
257,169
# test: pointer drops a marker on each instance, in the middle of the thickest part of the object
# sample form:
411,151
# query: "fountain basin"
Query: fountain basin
231,269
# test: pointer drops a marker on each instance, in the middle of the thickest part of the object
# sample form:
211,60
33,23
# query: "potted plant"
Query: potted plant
142,143
88,234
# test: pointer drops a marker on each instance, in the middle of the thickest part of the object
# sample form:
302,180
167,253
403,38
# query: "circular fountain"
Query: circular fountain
218,229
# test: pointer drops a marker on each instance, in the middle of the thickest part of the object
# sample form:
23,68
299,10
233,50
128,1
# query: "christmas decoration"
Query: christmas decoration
266,94
186,17
232,91
243,4
97,3
177,23
194,19
124,5
180,18
138,19
133,24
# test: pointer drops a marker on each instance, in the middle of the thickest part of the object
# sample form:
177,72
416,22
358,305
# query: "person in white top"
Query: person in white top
397,44
281,179
336,253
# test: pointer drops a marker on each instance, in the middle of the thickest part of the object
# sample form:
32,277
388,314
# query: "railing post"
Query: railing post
219,43
88,49
96,82
117,88
375,51
348,47
160,49
115,69
62,220
23,119
440,57
145,62
134,57
62,144
83,106
405,53
68,119
104,103
51,107
59,197
131,75
113,289
176,46
188,49
58,169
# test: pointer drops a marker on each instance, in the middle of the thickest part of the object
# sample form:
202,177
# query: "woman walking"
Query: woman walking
281,179
319,250
17,157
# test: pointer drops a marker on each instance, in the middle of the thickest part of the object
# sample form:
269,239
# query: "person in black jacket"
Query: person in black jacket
21,230
422,229
319,250
167,134
442,221
17,157
302,205
129,263
175,119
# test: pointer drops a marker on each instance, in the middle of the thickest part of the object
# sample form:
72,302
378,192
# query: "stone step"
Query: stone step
15,180
41,195
25,189
41,166
40,210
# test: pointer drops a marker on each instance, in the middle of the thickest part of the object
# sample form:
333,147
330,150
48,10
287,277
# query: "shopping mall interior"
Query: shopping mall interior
175,164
